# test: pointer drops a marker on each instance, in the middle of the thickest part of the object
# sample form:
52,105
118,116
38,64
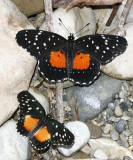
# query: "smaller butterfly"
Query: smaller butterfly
42,130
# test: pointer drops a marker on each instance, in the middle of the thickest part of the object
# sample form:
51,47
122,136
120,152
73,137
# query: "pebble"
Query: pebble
124,141
95,130
109,112
115,96
130,140
123,94
82,136
114,135
130,124
107,128
118,111
111,106
113,119
100,154
125,105
120,125
126,86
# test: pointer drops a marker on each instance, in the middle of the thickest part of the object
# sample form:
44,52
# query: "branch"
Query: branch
92,2
120,30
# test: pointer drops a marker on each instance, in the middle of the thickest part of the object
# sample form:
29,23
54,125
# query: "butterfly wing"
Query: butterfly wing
103,47
60,135
30,112
41,140
29,105
49,49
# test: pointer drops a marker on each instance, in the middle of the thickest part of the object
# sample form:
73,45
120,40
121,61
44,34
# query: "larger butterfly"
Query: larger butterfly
75,60
42,130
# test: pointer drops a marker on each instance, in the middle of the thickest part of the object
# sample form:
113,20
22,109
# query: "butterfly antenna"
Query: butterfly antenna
82,28
64,25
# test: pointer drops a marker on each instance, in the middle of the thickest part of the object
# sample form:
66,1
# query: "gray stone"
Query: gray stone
109,112
126,85
93,99
115,96
130,140
13,146
124,141
125,105
113,119
120,125
111,106
127,158
130,124
114,135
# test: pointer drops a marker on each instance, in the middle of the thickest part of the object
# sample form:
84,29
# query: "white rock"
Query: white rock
74,20
13,146
107,128
16,65
82,135
121,66
41,99
100,154
112,149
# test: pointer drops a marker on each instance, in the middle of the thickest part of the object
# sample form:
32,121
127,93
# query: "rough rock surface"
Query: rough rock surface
13,146
16,66
93,99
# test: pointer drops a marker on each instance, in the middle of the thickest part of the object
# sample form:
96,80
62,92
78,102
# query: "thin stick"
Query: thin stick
59,86
120,29
59,102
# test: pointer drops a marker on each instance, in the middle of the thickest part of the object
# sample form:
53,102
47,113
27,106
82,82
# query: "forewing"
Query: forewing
103,47
60,135
85,68
29,105
39,43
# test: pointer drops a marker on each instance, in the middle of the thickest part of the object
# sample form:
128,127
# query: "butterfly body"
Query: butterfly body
42,130
79,60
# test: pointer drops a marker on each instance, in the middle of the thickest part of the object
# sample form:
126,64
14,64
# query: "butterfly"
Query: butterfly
79,60
42,130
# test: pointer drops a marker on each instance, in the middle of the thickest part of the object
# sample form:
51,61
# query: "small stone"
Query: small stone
107,128
125,105
120,125
127,158
130,140
124,141
130,124
127,133
111,106
131,82
123,94
126,86
109,112
130,99
115,96
100,154
95,130
114,135
114,119
118,111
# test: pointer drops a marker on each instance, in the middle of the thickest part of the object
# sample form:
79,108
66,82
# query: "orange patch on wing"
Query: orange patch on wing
42,134
30,123
81,61
58,59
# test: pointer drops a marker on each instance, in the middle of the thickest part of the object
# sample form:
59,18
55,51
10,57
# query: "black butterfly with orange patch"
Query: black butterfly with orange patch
75,60
42,130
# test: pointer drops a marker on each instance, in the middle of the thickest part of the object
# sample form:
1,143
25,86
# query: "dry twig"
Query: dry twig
120,30
90,2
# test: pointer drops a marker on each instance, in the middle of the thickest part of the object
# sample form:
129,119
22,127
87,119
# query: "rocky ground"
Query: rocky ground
100,115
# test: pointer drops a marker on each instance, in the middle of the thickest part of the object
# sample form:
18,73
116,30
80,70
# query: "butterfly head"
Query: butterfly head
71,37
